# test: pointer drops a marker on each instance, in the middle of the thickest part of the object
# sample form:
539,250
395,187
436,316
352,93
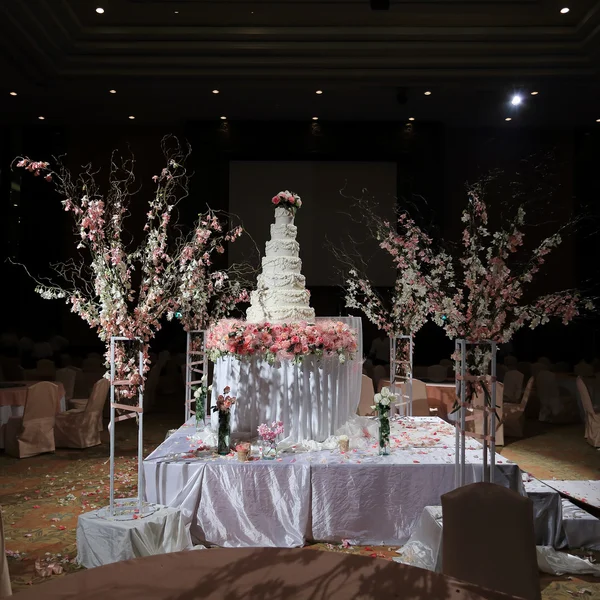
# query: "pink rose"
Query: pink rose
275,200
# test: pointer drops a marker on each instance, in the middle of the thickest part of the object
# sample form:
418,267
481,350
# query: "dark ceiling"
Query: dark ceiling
268,58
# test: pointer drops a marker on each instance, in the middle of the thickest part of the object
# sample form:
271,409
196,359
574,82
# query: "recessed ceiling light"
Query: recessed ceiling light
411,118
319,92
427,93
100,10
564,10
132,117
13,93
223,118
41,118
315,118
176,12
112,91
215,91
534,93
597,120
516,100
508,119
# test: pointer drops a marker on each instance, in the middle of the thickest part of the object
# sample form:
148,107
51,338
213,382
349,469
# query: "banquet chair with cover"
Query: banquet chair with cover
446,362
420,372
367,395
5,587
488,539
525,368
562,367
513,386
67,376
80,428
46,369
437,373
514,414
545,361
92,364
554,406
420,403
592,419
510,361
501,372
538,367
33,433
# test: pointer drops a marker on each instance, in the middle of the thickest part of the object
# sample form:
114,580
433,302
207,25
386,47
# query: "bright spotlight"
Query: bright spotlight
516,100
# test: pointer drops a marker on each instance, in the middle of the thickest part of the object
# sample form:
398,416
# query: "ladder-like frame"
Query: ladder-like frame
196,366
402,370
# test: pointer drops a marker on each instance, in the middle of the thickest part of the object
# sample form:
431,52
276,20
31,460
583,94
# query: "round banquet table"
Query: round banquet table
12,401
257,574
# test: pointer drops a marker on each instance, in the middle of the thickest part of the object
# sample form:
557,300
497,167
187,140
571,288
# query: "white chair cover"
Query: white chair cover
367,395
592,420
513,385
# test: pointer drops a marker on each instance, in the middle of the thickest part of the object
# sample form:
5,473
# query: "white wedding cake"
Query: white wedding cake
281,294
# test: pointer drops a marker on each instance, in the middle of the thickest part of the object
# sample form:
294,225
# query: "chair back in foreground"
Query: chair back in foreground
80,428
5,588
514,414
67,376
592,420
33,433
367,395
437,373
513,385
488,539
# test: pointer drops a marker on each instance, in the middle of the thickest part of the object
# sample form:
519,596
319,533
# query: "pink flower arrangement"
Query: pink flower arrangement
270,434
288,200
285,341
224,401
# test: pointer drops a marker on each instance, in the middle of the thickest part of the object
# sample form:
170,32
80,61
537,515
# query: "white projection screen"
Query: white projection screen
323,219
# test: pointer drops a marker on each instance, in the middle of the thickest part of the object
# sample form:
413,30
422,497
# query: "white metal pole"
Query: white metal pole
457,388
141,433
463,396
188,378
410,375
493,415
112,426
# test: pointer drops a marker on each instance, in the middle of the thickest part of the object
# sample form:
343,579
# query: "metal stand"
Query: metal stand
129,508
401,370
194,369
489,433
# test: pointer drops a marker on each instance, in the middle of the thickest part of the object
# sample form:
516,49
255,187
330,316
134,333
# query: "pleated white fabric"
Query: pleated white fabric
313,398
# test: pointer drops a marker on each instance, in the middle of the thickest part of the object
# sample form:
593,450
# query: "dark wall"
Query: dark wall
433,163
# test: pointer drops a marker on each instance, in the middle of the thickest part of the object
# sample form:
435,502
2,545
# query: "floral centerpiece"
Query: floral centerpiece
383,402
200,396
269,437
286,341
287,200
223,407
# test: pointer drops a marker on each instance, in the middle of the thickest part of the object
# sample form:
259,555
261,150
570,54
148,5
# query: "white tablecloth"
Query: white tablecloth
313,398
322,495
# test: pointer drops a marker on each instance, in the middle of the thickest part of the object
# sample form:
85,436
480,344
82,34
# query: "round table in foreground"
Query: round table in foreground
257,574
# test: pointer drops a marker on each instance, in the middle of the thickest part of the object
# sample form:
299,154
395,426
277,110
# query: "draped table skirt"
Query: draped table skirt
320,495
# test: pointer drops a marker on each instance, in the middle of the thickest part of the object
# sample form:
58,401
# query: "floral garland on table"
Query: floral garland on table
287,200
285,341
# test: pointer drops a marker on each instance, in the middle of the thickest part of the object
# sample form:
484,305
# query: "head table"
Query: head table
13,396
257,574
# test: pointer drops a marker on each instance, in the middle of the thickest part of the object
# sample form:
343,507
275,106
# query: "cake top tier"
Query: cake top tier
287,200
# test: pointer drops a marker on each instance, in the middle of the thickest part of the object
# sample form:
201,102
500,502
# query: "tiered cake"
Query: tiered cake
281,293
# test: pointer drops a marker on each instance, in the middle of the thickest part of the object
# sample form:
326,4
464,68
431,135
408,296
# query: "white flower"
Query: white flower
343,438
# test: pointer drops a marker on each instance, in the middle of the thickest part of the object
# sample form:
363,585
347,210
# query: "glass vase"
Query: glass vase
384,433
269,450
224,433
199,415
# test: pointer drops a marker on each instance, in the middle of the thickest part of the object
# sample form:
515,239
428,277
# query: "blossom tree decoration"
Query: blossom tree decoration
117,287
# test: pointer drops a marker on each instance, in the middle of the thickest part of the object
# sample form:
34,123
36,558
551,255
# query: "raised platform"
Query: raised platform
320,495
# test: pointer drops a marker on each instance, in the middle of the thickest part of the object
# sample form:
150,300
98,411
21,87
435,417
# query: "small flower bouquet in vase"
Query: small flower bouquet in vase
243,450
269,436
200,397
383,403
223,407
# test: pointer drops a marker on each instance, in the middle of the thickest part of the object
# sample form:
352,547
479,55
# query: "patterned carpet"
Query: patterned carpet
42,497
